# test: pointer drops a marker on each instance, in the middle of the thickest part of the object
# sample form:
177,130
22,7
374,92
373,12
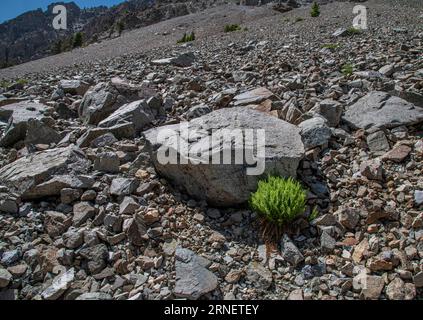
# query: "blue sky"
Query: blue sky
10,9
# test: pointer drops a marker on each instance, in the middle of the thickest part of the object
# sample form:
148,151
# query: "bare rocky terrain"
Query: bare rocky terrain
86,211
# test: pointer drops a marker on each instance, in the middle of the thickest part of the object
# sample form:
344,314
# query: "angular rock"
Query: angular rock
137,113
259,275
5,278
377,142
60,284
107,162
25,174
17,116
314,132
398,290
183,60
82,212
224,184
197,111
105,98
290,252
379,109
74,87
331,110
40,133
193,279
123,186
96,258
372,170
255,96
397,154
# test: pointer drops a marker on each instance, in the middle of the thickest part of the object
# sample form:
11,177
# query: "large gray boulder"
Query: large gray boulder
105,98
17,116
27,175
379,109
225,184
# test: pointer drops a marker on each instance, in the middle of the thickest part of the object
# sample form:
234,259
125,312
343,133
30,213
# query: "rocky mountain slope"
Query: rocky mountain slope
87,212
32,36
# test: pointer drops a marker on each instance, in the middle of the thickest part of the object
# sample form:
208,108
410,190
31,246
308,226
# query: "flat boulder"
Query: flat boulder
380,109
27,175
17,115
230,182
138,113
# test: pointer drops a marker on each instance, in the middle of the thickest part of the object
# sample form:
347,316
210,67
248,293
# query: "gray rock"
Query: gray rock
193,279
226,184
259,275
327,243
290,252
60,284
418,280
138,113
379,109
348,217
104,140
17,116
120,131
8,204
123,186
128,206
183,60
255,96
94,296
372,169
10,257
197,111
340,32
82,211
377,142
105,98
5,278
74,87
107,162
26,174
40,133
96,258
315,132
418,197
331,110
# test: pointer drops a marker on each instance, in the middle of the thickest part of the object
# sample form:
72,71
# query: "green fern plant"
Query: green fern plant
315,10
347,69
187,38
278,201
232,28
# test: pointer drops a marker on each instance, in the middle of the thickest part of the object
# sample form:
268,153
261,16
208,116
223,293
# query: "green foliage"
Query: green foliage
120,27
314,214
331,46
352,31
232,27
347,69
22,82
299,19
315,10
187,38
77,40
57,47
5,84
279,201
